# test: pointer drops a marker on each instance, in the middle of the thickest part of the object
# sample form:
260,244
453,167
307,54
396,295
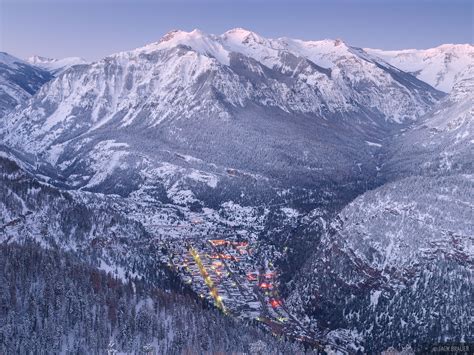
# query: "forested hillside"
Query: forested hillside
51,302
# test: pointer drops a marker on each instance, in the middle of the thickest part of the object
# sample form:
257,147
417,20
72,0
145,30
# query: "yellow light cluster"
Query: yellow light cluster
208,280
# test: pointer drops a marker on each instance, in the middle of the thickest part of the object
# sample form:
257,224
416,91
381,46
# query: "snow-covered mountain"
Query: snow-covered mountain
395,263
441,142
317,153
18,81
394,267
194,87
329,76
55,66
440,67
205,122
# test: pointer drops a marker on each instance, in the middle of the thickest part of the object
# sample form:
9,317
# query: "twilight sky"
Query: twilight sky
95,28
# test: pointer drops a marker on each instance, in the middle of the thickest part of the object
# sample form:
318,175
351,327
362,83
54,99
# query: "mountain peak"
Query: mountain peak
239,31
242,35
180,34
170,35
196,39
35,59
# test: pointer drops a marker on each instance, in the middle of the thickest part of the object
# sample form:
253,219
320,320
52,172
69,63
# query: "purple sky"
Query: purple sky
95,28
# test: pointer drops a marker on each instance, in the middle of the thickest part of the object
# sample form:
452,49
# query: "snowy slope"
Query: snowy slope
395,263
18,81
55,66
441,142
394,268
440,67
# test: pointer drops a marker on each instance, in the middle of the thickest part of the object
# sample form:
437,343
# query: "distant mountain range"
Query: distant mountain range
441,67
348,169
55,66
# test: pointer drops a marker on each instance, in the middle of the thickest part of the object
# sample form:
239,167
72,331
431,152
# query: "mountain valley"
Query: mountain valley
307,188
